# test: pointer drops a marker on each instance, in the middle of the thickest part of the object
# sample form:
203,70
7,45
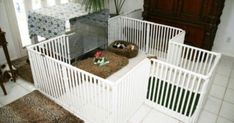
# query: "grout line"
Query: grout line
25,84
229,77
146,114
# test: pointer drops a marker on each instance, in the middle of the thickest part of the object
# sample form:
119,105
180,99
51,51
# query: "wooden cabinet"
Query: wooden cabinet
199,18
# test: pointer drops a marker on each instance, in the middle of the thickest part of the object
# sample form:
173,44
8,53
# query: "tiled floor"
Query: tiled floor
219,107
15,90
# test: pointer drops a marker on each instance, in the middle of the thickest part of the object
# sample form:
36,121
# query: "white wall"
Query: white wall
4,24
129,5
224,40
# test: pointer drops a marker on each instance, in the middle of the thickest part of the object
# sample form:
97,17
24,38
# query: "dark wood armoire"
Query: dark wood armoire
199,18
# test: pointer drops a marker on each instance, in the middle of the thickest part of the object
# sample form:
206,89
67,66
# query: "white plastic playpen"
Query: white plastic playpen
176,83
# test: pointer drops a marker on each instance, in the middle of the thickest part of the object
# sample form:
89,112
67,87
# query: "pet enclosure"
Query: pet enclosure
176,83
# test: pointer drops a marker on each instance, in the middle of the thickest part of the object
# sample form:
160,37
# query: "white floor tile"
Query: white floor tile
226,61
13,93
158,117
221,80
207,117
213,105
140,114
231,83
217,91
223,120
232,73
27,85
8,86
227,111
229,96
223,70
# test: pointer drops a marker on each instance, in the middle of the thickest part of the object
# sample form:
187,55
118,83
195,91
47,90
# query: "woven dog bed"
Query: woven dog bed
116,62
127,51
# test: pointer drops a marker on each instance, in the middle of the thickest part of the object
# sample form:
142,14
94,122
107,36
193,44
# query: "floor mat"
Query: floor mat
36,108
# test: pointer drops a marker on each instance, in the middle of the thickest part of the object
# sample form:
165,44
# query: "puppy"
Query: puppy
6,73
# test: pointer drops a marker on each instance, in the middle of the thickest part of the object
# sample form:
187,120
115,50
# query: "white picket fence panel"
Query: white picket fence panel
176,84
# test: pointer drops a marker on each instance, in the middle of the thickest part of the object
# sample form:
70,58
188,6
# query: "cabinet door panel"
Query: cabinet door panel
192,9
195,34
167,7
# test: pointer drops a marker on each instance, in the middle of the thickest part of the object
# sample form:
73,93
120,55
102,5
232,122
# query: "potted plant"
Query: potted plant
97,5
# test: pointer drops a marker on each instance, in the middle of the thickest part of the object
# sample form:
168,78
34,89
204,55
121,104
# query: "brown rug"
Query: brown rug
35,108
116,63
23,69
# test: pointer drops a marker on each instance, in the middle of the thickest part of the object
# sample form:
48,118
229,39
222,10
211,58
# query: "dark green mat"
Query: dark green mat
165,96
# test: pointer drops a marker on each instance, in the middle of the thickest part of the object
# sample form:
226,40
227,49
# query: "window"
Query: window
22,7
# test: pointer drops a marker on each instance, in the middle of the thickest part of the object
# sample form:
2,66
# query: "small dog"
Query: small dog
5,72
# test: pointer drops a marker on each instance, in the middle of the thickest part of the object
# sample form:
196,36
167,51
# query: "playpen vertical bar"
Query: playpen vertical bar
69,86
119,23
168,86
60,79
194,60
43,79
52,80
80,88
41,64
190,91
182,56
46,63
202,59
141,34
159,84
190,59
151,41
56,77
138,31
205,63
198,61
185,82
174,105
195,93
163,41
63,49
171,98
212,59
60,49
114,104
51,50
186,57
133,31
160,40
164,85
128,30
156,41
67,50
147,38
124,30
65,78
186,92
150,97
57,49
